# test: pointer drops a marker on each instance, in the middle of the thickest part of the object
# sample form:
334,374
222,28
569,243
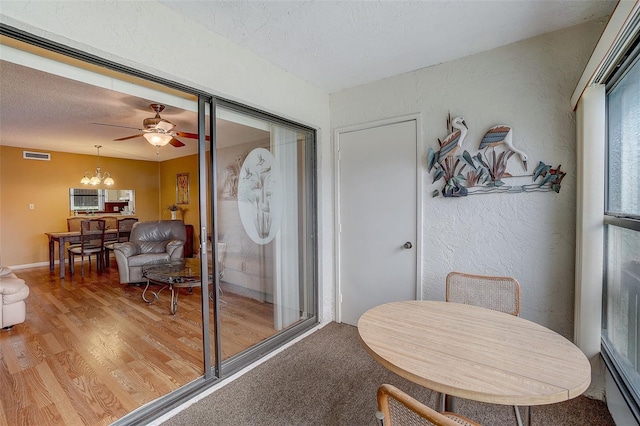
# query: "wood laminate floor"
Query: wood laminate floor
91,350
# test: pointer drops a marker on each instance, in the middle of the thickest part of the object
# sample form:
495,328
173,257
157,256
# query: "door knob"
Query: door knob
408,245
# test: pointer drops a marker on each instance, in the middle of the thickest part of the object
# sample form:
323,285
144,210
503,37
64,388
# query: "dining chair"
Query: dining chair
395,407
73,223
124,226
91,243
496,293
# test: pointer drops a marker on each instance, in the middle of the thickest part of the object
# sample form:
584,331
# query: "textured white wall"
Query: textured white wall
150,37
526,85
530,236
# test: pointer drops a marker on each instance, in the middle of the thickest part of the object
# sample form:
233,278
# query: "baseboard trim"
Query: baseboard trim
30,265
38,264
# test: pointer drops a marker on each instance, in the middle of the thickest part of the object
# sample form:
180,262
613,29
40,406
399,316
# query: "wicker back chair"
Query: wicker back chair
496,293
73,223
124,226
397,408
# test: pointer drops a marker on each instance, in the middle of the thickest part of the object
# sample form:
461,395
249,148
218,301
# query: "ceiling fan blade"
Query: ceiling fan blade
115,125
165,125
189,135
175,142
128,137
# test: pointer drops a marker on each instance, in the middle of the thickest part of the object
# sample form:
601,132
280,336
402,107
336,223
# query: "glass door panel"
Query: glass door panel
264,197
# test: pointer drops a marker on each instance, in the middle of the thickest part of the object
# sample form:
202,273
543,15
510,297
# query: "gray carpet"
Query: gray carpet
329,379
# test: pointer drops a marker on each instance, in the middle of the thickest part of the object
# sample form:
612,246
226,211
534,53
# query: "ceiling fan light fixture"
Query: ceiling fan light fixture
157,139
157,131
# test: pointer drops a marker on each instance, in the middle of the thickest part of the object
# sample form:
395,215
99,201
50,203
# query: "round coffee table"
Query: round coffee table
184,273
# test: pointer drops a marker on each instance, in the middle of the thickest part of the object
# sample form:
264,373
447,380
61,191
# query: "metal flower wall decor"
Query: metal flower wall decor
485,171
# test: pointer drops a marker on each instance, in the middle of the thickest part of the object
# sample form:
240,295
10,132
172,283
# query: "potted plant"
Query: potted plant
173,208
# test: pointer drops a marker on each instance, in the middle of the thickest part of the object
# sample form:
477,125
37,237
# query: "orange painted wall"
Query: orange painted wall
46,185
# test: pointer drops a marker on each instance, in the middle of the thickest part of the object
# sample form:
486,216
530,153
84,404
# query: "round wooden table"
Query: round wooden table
474,353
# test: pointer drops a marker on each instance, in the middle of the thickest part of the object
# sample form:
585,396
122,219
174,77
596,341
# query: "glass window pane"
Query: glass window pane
624,144
621,323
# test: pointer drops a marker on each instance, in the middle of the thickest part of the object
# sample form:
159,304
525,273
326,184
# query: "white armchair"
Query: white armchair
13,292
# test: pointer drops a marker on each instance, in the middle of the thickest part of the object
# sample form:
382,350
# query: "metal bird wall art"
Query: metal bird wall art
453,141
502,134
445,162
550,176
482,173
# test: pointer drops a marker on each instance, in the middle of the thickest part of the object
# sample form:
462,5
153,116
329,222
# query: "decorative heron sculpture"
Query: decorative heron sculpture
502,134
453,141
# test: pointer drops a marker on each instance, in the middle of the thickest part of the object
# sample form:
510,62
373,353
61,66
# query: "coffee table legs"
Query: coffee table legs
173,307
174,301
155,294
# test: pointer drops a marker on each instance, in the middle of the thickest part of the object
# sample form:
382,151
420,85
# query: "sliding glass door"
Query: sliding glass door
248,195
265,199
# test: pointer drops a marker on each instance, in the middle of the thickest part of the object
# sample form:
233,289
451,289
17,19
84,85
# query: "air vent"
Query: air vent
29,155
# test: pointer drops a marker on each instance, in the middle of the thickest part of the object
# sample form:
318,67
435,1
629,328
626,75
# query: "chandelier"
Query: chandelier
98,177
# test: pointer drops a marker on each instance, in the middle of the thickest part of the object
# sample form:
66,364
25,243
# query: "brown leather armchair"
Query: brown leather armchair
150,242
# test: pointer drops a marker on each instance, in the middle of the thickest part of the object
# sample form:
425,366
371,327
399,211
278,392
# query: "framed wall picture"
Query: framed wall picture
182,188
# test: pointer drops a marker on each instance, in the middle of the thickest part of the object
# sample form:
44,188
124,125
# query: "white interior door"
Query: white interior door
377,217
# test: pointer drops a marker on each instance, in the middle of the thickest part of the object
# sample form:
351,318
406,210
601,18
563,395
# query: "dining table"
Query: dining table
474,353
71,237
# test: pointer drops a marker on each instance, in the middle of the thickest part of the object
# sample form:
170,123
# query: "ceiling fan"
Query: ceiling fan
156,130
